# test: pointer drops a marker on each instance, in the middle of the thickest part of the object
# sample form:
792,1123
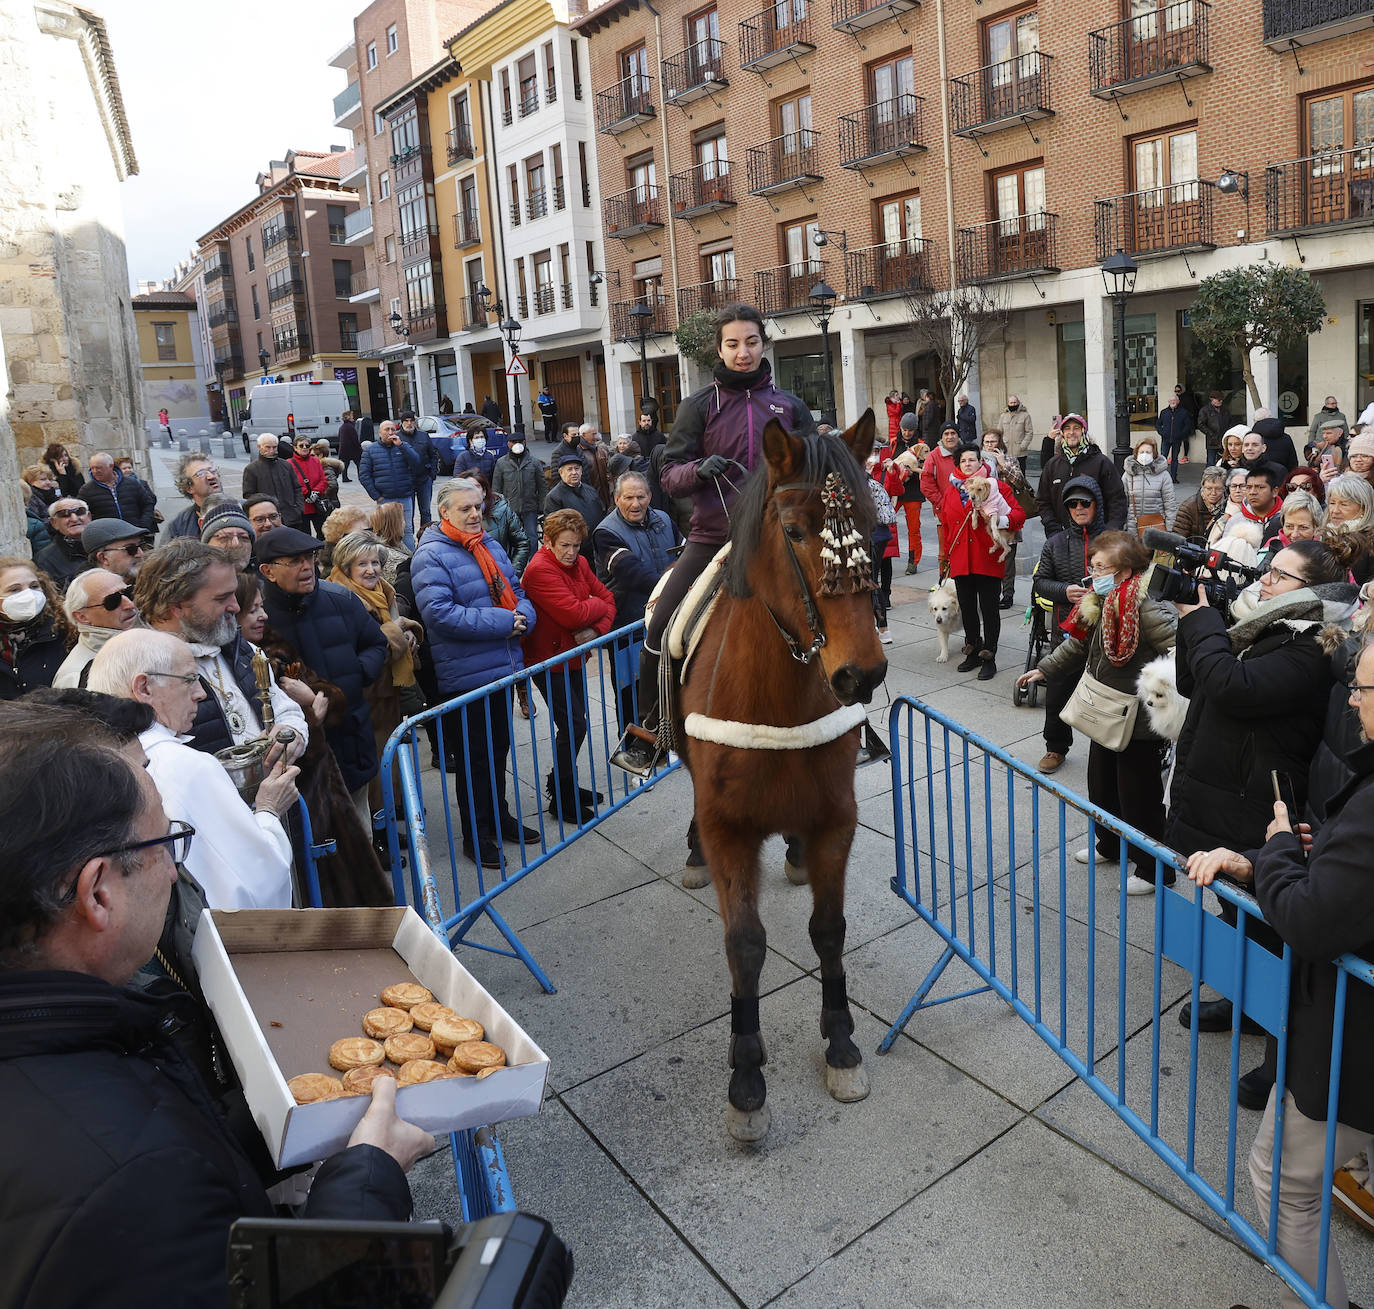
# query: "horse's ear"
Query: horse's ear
859,438
784,452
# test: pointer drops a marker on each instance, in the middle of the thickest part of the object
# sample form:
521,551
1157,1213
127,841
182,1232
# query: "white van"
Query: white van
281,408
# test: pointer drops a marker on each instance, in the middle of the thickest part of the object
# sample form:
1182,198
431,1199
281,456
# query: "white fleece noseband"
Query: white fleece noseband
764,736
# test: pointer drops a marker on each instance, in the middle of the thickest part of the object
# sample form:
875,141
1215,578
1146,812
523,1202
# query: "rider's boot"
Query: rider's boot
639,752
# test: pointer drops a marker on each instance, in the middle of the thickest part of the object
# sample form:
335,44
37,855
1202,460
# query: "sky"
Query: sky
213,91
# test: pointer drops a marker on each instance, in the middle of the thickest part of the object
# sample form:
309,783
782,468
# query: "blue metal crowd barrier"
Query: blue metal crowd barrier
982,844
601,694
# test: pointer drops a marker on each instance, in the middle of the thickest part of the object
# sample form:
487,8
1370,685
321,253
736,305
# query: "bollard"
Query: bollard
183,441
227,445
203,441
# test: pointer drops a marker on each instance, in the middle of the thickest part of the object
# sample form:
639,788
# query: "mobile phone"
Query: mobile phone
1283,791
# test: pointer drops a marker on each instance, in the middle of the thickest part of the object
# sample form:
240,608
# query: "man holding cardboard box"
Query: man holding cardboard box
123,1183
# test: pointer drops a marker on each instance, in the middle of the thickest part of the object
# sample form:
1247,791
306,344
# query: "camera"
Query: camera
1181,566
504,1261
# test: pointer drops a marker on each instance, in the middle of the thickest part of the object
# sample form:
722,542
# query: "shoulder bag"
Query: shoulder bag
1101,713
1144,521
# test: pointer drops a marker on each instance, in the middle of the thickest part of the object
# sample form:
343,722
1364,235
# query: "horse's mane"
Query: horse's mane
822,455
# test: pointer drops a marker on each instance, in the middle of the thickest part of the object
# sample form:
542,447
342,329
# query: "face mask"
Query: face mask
516,449
1104,585
479,445
1013,408
23,606
1145,458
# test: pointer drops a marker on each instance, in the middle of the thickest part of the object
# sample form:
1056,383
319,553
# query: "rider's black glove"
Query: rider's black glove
712,466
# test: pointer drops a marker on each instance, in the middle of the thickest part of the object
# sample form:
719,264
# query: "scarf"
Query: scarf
1247,512
733,381
1119,615
94,638
474,543
379,602
1301,610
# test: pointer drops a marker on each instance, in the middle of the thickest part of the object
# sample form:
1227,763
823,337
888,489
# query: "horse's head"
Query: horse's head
805,552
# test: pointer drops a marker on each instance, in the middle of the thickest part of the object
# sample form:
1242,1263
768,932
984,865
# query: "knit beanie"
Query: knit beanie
228,513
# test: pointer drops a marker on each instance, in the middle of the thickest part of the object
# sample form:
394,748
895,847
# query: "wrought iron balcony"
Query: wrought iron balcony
702,189
522,305
889,268
537,203
560,199
1164,220
694,72
1323,191
853,16
787,288
1007,248
418,242
285,290
785,162
708,296
290,344
475,313
467,228
889,129
220,312
565,292
528,102
781,32
1149,49
626,104
274,236
999,95
1290,23
543,299
460,144
625,325
633,212
348,340
213,272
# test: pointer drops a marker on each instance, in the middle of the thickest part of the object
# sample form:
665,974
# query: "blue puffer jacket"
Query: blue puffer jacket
389,472
471,640
342,643
468,462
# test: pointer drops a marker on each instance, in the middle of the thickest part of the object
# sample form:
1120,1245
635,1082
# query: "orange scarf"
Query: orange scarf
474,543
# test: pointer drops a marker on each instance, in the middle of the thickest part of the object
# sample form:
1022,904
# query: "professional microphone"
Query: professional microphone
1164,542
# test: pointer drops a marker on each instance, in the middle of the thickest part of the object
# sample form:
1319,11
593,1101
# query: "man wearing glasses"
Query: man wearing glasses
198,479
116,546
65,557
124,1180
227,527
99,604
263,513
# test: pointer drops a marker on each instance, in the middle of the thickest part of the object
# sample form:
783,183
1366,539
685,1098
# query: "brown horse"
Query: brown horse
770,731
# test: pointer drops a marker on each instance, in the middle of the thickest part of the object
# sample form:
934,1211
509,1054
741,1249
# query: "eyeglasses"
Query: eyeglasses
206,472
177,840
230,538
266,520
116,598
1078,504
294,561
69,513
1284,576
1356,688
1101,570
130,548
186,679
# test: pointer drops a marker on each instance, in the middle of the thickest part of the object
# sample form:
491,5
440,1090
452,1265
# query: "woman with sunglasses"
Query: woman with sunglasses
34,632
99,603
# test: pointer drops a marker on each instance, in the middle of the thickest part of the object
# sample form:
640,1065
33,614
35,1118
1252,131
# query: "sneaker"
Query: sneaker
914,566
1081,857
884,636
1139,886
1050,761
1347,1192
971,661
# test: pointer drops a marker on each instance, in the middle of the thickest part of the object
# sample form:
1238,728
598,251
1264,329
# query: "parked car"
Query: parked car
449,433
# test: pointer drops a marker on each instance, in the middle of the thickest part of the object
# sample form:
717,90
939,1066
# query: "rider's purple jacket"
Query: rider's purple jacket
729,421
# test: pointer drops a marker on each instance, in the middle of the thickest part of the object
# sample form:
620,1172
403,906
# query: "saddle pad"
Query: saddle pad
689,622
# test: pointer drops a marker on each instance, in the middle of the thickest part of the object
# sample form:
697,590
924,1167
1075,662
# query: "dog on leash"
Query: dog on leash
982,492
944,611
1157,691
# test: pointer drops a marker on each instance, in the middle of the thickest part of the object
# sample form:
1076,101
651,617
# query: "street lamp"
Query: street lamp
823,296
1118,276
263,357
511,328
398,324
643,316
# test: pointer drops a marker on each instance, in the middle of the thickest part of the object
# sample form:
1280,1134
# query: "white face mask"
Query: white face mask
517,448
479,444
1145,458
23,606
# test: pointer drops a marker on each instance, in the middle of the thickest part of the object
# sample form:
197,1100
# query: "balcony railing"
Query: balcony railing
890,268
1331,189
363,281
560,198
537,203
514,210
1006,248
419,240
427,324
694,72
528,103
285,290
853,16
1149,49
348,340
889,129
1000,94
213,272
633,212
349,99
707,296
565,294
1303,22
459,143
787,287
467,228
358,223
1162,220
274,236
475,314
290,345
230,363
629,102
702,189
625,326
221,312
522,305
784,162
778,34
370,343
543,299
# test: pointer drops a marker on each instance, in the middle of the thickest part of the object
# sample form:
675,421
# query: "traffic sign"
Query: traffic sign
516,367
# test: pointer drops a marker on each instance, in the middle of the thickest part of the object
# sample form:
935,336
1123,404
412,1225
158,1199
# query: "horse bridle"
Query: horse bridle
814,621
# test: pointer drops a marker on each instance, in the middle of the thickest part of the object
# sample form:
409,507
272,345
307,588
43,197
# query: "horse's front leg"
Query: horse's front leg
733,857
846,1078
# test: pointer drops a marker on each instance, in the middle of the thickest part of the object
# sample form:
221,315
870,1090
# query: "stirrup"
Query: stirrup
872,749
638,752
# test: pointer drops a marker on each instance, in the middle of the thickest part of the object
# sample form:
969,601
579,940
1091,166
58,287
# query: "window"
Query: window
392,41
1165,162
718,266
248,246
710,155
899,223
513,185
395,306
577,69
253,291
787,12
390,247
259,342
887,82
282,283
1165,208
412,209
634,85
642,176
348,331
462,120
536,197
595,291
556,158
1010,46
371,55
1178,17
506,115
648,278
798,247
550,74
703,45
405,135
543,282
378,123
335,214
565,274
794,122
343,278
383,186
521,289
467,207
420,289
1339,122
584,175
529,85
1022,238
166,335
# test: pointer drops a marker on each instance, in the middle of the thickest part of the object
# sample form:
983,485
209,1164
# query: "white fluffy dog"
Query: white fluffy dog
1157,691
944,610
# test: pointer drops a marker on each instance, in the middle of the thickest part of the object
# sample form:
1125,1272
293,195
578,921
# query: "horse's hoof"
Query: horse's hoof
748,1124
695,877
847,1084
795,874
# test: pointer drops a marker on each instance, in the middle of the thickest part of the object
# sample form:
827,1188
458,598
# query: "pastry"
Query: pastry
421,1070
423,1015
358,1081
382,1023
487,1072
473,1056
406,995
355,1052
406,1046
449,1032
310,1088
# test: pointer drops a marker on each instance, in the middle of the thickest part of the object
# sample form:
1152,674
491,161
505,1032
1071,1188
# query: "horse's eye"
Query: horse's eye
795,531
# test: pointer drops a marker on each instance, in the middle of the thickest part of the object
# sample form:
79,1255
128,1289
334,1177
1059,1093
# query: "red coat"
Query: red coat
894,420
310,474
967,539
565,600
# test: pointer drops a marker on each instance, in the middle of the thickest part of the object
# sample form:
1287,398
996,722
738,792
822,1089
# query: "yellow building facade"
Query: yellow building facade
170,357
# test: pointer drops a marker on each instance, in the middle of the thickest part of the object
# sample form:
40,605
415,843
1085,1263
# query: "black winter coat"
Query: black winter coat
122,1184
1058,472
342,643
1064,560
350,446
63,560
1330,772
275,477
128,498
1278,445
40,654
1249,713
585,500
1322,907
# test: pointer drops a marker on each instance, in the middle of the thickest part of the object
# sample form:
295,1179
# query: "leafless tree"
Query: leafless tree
954,326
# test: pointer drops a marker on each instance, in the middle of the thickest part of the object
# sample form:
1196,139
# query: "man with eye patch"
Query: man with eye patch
99,604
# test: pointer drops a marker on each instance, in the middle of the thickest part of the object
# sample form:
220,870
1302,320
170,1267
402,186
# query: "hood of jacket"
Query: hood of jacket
1304,610
1269,428
1090,485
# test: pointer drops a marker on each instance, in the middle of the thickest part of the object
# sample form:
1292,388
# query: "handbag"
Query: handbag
1101,713
1144,521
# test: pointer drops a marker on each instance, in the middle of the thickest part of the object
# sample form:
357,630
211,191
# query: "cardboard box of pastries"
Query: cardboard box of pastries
286,984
